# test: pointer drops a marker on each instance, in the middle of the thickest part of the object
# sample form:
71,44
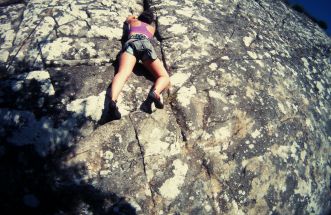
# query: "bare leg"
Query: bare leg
160,73
127,62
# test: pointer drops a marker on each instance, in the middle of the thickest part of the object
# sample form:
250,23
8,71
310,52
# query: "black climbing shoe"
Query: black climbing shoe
157,100
113,112
146,106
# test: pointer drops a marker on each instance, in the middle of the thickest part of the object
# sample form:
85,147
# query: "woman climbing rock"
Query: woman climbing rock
139,47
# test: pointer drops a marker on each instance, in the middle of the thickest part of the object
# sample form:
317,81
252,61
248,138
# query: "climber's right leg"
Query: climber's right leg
160,73
162,80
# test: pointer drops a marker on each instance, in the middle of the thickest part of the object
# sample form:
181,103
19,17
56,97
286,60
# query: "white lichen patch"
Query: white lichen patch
119,138
104,31
222,71
79,29
91,106
249,39
309,124
253,55
206,136
281,107
171,187
43,78
55,50
267,55
176,147
179,78
186,42
8,38
207,2
78,11
217,95
250,92
167,20
45,27
256,133
149,174
200,26
230,79
186,11
177,29
281,151
305,62
213,66
319,86
108,155
309,76
234,209
202,18
104,173
156,146
5,26
223,133
303,154
303,187
181,46
185,94
167,3
260,63
225,58
211,82
4,54
294,151
65,18
38,75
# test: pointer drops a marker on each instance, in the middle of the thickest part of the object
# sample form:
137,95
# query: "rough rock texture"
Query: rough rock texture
245,128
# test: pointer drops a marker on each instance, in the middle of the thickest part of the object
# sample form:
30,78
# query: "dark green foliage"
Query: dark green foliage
4,3
299,8
322,24
286,2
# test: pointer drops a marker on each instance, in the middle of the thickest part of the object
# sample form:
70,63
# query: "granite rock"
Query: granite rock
246,123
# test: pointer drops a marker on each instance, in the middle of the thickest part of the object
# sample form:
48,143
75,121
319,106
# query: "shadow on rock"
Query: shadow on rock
36,130
4,3
31,184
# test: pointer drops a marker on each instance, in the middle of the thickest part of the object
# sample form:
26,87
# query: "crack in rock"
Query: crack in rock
142,154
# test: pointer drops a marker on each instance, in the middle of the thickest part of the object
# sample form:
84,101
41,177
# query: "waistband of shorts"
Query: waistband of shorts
138,36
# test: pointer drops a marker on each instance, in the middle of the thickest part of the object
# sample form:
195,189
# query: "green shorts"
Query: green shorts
142,49
129,50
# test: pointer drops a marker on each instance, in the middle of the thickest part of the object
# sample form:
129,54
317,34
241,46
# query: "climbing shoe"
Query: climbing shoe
113,111
156,99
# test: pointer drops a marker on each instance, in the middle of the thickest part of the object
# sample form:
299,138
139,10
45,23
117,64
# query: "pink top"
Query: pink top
141,29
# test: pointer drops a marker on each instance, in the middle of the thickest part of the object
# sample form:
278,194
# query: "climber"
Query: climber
139,47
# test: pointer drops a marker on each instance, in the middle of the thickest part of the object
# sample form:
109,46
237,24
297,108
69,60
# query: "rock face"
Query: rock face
245,128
